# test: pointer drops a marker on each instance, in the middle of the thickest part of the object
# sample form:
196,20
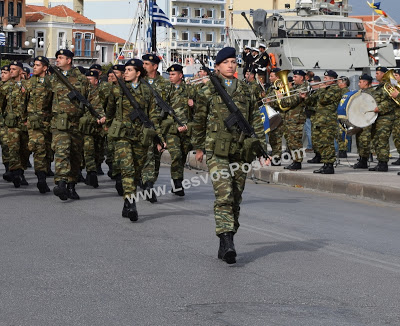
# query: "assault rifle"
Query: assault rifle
137,112
165,108
236,117
74,94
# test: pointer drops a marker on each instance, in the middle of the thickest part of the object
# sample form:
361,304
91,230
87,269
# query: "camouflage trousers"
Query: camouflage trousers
227,190
324,135
92,146
275,140
342,143
18,148
68,148
381,130
111,156
100,140
4,145
152,163
363,141
130,156
178,147
314,139
396,129
40,145
293,132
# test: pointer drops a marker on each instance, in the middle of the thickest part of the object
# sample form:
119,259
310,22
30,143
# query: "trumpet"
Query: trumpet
191,81
391,84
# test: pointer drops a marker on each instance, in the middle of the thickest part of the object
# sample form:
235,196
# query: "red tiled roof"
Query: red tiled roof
59,11
33,8
32,17
102,36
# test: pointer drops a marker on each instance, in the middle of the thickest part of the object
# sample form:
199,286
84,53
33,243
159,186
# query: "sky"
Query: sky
391,7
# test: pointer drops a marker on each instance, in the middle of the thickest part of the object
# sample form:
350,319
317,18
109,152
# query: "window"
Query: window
2,8
78,44
185,36
103,54
174,35
209,37
185,12
245,42
222,14
40,38
196,37
88,44
222,38
253,43
19,40
210,13
197,12
11,8
19,9
173,12
61,40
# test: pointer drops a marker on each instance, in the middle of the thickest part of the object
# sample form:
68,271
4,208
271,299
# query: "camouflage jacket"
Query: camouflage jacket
13,97
256,89
119,108
327,104
179,102
384,101
104,91
40,97
295,103
161,86
211,112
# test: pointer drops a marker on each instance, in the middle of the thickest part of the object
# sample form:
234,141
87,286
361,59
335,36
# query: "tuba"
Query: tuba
282,86
389,87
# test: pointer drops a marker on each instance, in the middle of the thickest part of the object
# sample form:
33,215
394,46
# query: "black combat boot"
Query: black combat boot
148,186
328,169
316,158
71,191
294,166
49,172
226,250
16,177
91,179
320,169
23,180
342,154
60,190
118,184
130,210
178,189
396,162
42,184
361,164
7,176
99,170
381,167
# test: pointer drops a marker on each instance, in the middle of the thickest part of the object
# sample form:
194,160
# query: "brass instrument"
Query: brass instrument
389,88
282,86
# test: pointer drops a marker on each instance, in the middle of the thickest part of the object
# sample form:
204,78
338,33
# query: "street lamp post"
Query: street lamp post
34,41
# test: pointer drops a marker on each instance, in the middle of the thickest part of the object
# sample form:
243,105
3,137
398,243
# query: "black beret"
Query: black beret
65,52
366,77
134,63
16,63
225,53
95,66
91,73
383,69
152,58
118,67
396,71
299,72
27,70
316,79
175,67
203,68
331,73
5,68
253,71
81,69
42,59
275,70
290,79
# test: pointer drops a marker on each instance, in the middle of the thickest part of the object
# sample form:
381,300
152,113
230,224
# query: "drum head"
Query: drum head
360,110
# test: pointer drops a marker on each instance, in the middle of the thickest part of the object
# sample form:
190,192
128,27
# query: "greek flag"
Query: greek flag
159,16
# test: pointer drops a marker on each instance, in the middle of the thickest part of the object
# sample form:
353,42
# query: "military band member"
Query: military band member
396,123
67,141
223,148
254,86
262,61
382,128
344,84
7,176
247,59
131,145
40,98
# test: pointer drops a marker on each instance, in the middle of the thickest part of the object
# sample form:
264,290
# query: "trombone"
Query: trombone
190,81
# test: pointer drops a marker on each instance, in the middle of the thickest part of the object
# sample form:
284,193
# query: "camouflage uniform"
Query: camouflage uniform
130,152
39,117
3,134
100,137
311,104
209,131
382,127
396,127
153,157
363,138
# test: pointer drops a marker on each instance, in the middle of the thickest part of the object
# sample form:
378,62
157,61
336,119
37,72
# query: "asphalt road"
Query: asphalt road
304,258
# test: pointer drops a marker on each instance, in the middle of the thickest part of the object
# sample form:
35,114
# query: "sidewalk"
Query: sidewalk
382,186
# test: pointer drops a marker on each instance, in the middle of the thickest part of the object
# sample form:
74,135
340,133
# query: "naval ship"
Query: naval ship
318,36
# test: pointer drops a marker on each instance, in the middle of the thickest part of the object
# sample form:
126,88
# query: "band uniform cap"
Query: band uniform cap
255,49
152,58
299,72
383,69
316,79
396,71
118,67
134,63
175,67
95,66
27,70
81,69
224,54
92,73
275,70
65,52
262,45
42,59
17,63
5,68
331,73
247,47
366,77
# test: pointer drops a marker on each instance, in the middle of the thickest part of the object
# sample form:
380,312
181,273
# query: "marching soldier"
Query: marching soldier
131,143
7,176
254,87
178,137
382,127
67,141
396,123
224,148
14,99
39,116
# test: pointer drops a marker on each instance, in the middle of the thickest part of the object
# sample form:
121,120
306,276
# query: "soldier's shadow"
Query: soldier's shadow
269,248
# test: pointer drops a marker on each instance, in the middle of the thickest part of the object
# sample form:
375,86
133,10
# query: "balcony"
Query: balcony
196,46
219,2
13,20
204,22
